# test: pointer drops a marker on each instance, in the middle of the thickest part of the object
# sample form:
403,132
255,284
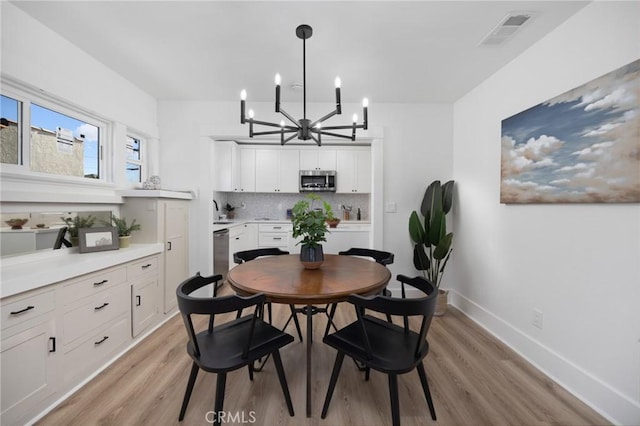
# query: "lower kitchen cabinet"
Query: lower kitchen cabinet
242,237
56,336
28,363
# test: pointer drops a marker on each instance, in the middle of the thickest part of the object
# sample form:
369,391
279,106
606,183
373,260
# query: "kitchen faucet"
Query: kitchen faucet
215,203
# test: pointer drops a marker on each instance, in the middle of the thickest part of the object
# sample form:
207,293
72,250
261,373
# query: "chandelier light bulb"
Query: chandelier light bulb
319,126
277,79
338,82
282,123
243,95
355,117
250,113
365,102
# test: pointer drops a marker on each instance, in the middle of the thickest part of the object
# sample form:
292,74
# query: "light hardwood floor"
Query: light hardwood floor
474,380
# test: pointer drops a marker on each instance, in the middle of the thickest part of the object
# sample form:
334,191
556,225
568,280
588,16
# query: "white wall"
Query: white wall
34,54
578,264
417,149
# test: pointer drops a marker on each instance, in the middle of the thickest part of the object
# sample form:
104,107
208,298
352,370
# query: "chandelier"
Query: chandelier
303,129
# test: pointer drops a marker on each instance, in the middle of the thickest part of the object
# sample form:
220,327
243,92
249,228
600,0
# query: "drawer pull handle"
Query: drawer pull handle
146,266
277,238
101,340
101,282
28,308
104,305
53,344
138,300
277,227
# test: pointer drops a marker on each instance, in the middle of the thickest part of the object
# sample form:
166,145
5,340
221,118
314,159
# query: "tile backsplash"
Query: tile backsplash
274,206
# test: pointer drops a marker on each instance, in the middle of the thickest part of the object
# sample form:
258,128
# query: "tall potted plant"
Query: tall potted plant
310,223
432,244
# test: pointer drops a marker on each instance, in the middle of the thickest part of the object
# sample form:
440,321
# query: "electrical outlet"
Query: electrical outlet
537,319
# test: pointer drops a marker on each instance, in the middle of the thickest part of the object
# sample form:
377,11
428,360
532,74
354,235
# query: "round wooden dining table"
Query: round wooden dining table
283,279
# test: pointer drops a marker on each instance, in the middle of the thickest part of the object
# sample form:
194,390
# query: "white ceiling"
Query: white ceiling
415,51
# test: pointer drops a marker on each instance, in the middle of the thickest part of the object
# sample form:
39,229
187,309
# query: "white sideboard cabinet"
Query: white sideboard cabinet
163,220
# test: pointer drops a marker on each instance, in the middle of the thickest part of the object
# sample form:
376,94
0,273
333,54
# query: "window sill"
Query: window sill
44,188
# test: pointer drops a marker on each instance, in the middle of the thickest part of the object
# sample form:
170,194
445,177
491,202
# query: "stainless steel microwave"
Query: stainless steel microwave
317,180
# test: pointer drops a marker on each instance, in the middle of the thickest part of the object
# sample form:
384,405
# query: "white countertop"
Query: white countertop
157,193
343,226
27,272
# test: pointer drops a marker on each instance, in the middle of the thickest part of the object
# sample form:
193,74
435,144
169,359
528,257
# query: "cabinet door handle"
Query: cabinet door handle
100,283
104,305
169,249
101,340
146,266
237,238
53,344
28,308
138,300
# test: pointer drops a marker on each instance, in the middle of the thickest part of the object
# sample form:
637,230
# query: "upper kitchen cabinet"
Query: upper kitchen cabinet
235,167
317,159
277,170
353,171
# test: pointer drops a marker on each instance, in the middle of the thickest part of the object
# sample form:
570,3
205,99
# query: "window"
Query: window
10,134
63,145
46,135
134,160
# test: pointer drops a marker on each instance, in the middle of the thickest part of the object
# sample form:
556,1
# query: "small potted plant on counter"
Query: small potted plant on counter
310,223
75,224
124,229
231,211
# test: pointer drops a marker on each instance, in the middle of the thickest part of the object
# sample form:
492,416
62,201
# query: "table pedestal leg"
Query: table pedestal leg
309,338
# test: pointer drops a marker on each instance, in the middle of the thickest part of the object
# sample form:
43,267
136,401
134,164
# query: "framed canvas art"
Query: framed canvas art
580,147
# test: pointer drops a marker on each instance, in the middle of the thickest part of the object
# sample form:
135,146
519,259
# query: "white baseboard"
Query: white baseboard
607,401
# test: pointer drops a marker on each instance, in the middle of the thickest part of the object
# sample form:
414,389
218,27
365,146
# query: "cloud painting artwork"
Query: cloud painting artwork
580,147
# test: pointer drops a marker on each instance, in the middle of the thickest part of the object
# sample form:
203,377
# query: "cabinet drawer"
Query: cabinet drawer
14,313
274,227
141,267
273,239
95,311
93,352
92,283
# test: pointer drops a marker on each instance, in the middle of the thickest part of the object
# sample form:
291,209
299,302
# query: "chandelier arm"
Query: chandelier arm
274,132
337,135
357,126
264,123
331,114
289,138
317,141
293,120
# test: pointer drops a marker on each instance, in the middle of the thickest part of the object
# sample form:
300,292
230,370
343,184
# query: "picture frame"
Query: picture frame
98,239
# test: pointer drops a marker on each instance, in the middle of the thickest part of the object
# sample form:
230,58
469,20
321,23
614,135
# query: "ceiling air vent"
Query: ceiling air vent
507,27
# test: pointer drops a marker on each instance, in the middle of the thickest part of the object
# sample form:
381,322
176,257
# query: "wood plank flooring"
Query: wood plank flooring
474,380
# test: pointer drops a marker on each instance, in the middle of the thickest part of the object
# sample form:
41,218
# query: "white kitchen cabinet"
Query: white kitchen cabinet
353,171
274,235
225,158
28,361
319,158
246,173
145,292
277,170
235,167
163,220
28,355
242,237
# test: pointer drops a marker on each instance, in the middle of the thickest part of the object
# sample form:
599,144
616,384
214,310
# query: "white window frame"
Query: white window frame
27,96
143,163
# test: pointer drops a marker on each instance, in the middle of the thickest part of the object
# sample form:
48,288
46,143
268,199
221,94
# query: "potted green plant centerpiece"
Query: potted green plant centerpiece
310,223
432,243
124,229
75,224
231,211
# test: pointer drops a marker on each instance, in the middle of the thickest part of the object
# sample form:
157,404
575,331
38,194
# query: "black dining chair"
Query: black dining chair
386,347
382,257
249,255
231,345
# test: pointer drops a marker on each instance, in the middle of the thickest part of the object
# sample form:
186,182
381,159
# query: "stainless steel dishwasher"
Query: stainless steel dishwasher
221,253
